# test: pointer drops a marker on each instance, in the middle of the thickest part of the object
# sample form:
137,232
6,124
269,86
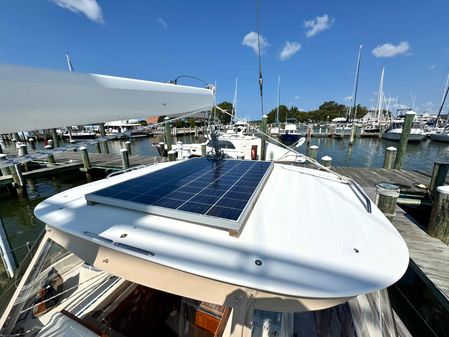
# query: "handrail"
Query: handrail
360,194
124,171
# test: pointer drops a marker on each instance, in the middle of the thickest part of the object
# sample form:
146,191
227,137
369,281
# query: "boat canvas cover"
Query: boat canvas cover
34,99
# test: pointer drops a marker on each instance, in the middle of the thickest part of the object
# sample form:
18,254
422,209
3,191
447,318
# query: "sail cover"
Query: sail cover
33,99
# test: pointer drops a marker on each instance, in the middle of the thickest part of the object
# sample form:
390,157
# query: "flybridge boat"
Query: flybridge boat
200,246
239,146
290,133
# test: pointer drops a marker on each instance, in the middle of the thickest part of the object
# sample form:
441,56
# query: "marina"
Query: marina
137,200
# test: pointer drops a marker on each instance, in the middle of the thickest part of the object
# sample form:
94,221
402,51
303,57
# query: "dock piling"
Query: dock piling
352,136
409,117
390,155
313,151
439,174
98,147
171,155
23,150
1,150
203,150
263,148
85,158
32,143
128,147
167,133
51,160
439,217
386,196
125,158
309,133
102,130
4,170
54,136
326,161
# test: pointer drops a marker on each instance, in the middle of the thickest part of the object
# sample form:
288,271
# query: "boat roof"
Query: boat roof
308,235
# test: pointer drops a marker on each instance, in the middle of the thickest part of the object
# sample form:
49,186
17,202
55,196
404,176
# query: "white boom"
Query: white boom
33,99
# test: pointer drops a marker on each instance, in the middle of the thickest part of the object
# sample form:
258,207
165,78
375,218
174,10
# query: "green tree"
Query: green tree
224,118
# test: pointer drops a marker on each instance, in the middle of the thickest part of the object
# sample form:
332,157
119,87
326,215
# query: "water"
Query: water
370,152
21,225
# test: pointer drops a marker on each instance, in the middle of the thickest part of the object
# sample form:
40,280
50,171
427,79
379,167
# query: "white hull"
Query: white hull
396,136
440,137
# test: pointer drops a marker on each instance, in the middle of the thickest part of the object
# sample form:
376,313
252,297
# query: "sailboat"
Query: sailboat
442,135
372,129
194,247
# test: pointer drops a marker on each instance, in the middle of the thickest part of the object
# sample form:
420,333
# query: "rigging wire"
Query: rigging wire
259,57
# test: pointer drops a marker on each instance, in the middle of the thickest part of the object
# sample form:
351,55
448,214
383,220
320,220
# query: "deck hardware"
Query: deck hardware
360,195
123,235
356,250
258,262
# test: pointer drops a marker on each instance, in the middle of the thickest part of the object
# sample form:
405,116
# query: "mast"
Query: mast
69,62
356,82
443,99
234,102
279,98
380,95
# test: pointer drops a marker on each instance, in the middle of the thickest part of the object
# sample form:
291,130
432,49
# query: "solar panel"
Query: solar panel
217,193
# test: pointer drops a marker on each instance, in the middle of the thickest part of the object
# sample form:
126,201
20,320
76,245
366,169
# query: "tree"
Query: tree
283,112
224,118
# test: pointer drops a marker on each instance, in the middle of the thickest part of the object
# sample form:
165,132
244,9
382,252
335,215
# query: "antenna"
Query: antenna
69,62
279,99
260,61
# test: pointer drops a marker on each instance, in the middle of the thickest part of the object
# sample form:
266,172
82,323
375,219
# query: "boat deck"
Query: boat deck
429,256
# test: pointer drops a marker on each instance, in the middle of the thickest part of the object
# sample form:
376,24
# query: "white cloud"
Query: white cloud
432,66
290,49
162,22
250,40
297,97
390,50
90,8
348,98
317,25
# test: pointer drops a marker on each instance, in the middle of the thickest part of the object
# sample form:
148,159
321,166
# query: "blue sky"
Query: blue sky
160,40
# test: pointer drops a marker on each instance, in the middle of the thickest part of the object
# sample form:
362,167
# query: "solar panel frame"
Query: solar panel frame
174,202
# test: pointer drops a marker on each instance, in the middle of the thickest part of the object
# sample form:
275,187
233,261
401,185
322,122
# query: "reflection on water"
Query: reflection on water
370,152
